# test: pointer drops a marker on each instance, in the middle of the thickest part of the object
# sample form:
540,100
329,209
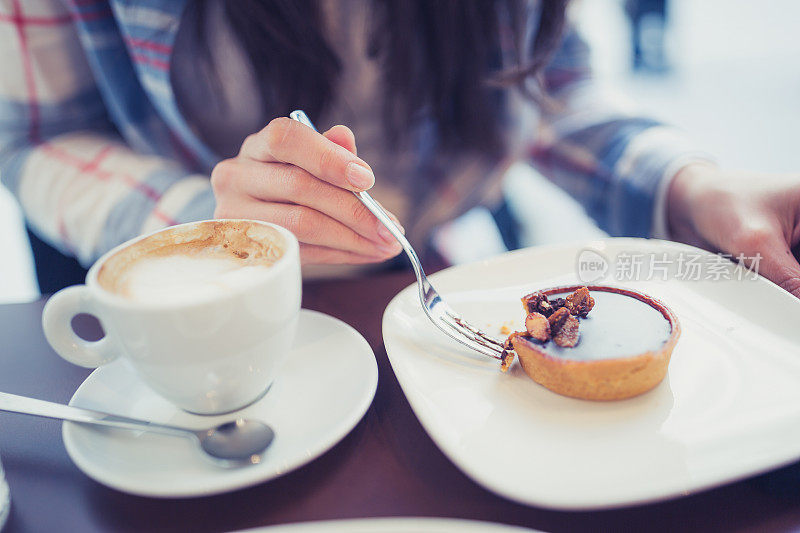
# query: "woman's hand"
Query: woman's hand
740,213
299,179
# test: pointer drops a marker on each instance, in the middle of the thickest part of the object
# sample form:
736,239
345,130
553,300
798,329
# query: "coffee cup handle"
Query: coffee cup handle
57,324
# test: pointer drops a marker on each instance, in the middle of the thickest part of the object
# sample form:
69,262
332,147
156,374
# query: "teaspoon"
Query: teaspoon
234,443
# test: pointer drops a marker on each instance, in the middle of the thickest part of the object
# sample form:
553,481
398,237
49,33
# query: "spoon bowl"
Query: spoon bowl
240,441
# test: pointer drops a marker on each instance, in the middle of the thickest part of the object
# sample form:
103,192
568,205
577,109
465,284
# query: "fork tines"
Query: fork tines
475,335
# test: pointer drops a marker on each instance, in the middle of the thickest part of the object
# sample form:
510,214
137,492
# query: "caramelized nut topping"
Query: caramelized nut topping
580,302
508,344
557,320
536,302
568,335
547,319
538,327
506,359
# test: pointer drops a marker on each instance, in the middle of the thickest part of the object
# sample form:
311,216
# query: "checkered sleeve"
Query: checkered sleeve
81,187
594,145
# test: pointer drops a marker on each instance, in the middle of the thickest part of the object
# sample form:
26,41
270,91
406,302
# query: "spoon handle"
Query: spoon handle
32,406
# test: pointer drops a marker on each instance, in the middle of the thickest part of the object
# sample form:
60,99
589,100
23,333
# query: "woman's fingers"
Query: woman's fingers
782,268
343,136
776,262
287,141
743,214
291,175
280,182
313,227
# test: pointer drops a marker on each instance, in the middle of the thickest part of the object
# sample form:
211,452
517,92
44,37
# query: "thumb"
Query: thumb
343,136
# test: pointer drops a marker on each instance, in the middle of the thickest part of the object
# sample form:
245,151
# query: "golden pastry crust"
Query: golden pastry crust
601,379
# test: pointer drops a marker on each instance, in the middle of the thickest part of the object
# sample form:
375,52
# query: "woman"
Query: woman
117,112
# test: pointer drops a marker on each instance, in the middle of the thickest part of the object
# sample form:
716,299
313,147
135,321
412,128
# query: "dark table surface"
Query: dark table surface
387,466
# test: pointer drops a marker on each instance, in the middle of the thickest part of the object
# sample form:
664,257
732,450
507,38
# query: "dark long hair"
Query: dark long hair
439,57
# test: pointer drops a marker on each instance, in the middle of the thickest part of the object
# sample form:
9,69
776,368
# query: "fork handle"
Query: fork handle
380,213
376,209
428,296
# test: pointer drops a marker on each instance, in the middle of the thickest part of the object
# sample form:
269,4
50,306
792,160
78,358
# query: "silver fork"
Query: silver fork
442,315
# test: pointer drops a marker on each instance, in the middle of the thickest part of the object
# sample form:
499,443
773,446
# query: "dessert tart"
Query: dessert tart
595,342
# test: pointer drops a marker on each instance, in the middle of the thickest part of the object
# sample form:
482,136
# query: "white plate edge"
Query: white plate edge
391,524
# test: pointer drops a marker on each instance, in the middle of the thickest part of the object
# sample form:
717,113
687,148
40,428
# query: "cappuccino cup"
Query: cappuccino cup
204,312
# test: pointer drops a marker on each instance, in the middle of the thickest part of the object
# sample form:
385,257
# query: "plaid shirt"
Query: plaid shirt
94,148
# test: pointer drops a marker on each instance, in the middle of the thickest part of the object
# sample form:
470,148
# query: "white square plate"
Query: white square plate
729,407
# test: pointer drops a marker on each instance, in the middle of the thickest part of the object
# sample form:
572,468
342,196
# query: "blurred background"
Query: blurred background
723,70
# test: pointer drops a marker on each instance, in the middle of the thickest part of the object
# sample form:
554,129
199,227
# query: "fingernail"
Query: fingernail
359,176
385,234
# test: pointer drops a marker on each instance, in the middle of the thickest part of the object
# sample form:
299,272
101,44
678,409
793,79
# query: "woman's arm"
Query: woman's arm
80,186
638,177
616,163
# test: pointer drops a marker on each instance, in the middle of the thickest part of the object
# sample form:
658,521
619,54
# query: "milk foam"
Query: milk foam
191,261
178,277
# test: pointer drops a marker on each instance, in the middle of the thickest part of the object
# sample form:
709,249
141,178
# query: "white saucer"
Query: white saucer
322,392
729,407
393,525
